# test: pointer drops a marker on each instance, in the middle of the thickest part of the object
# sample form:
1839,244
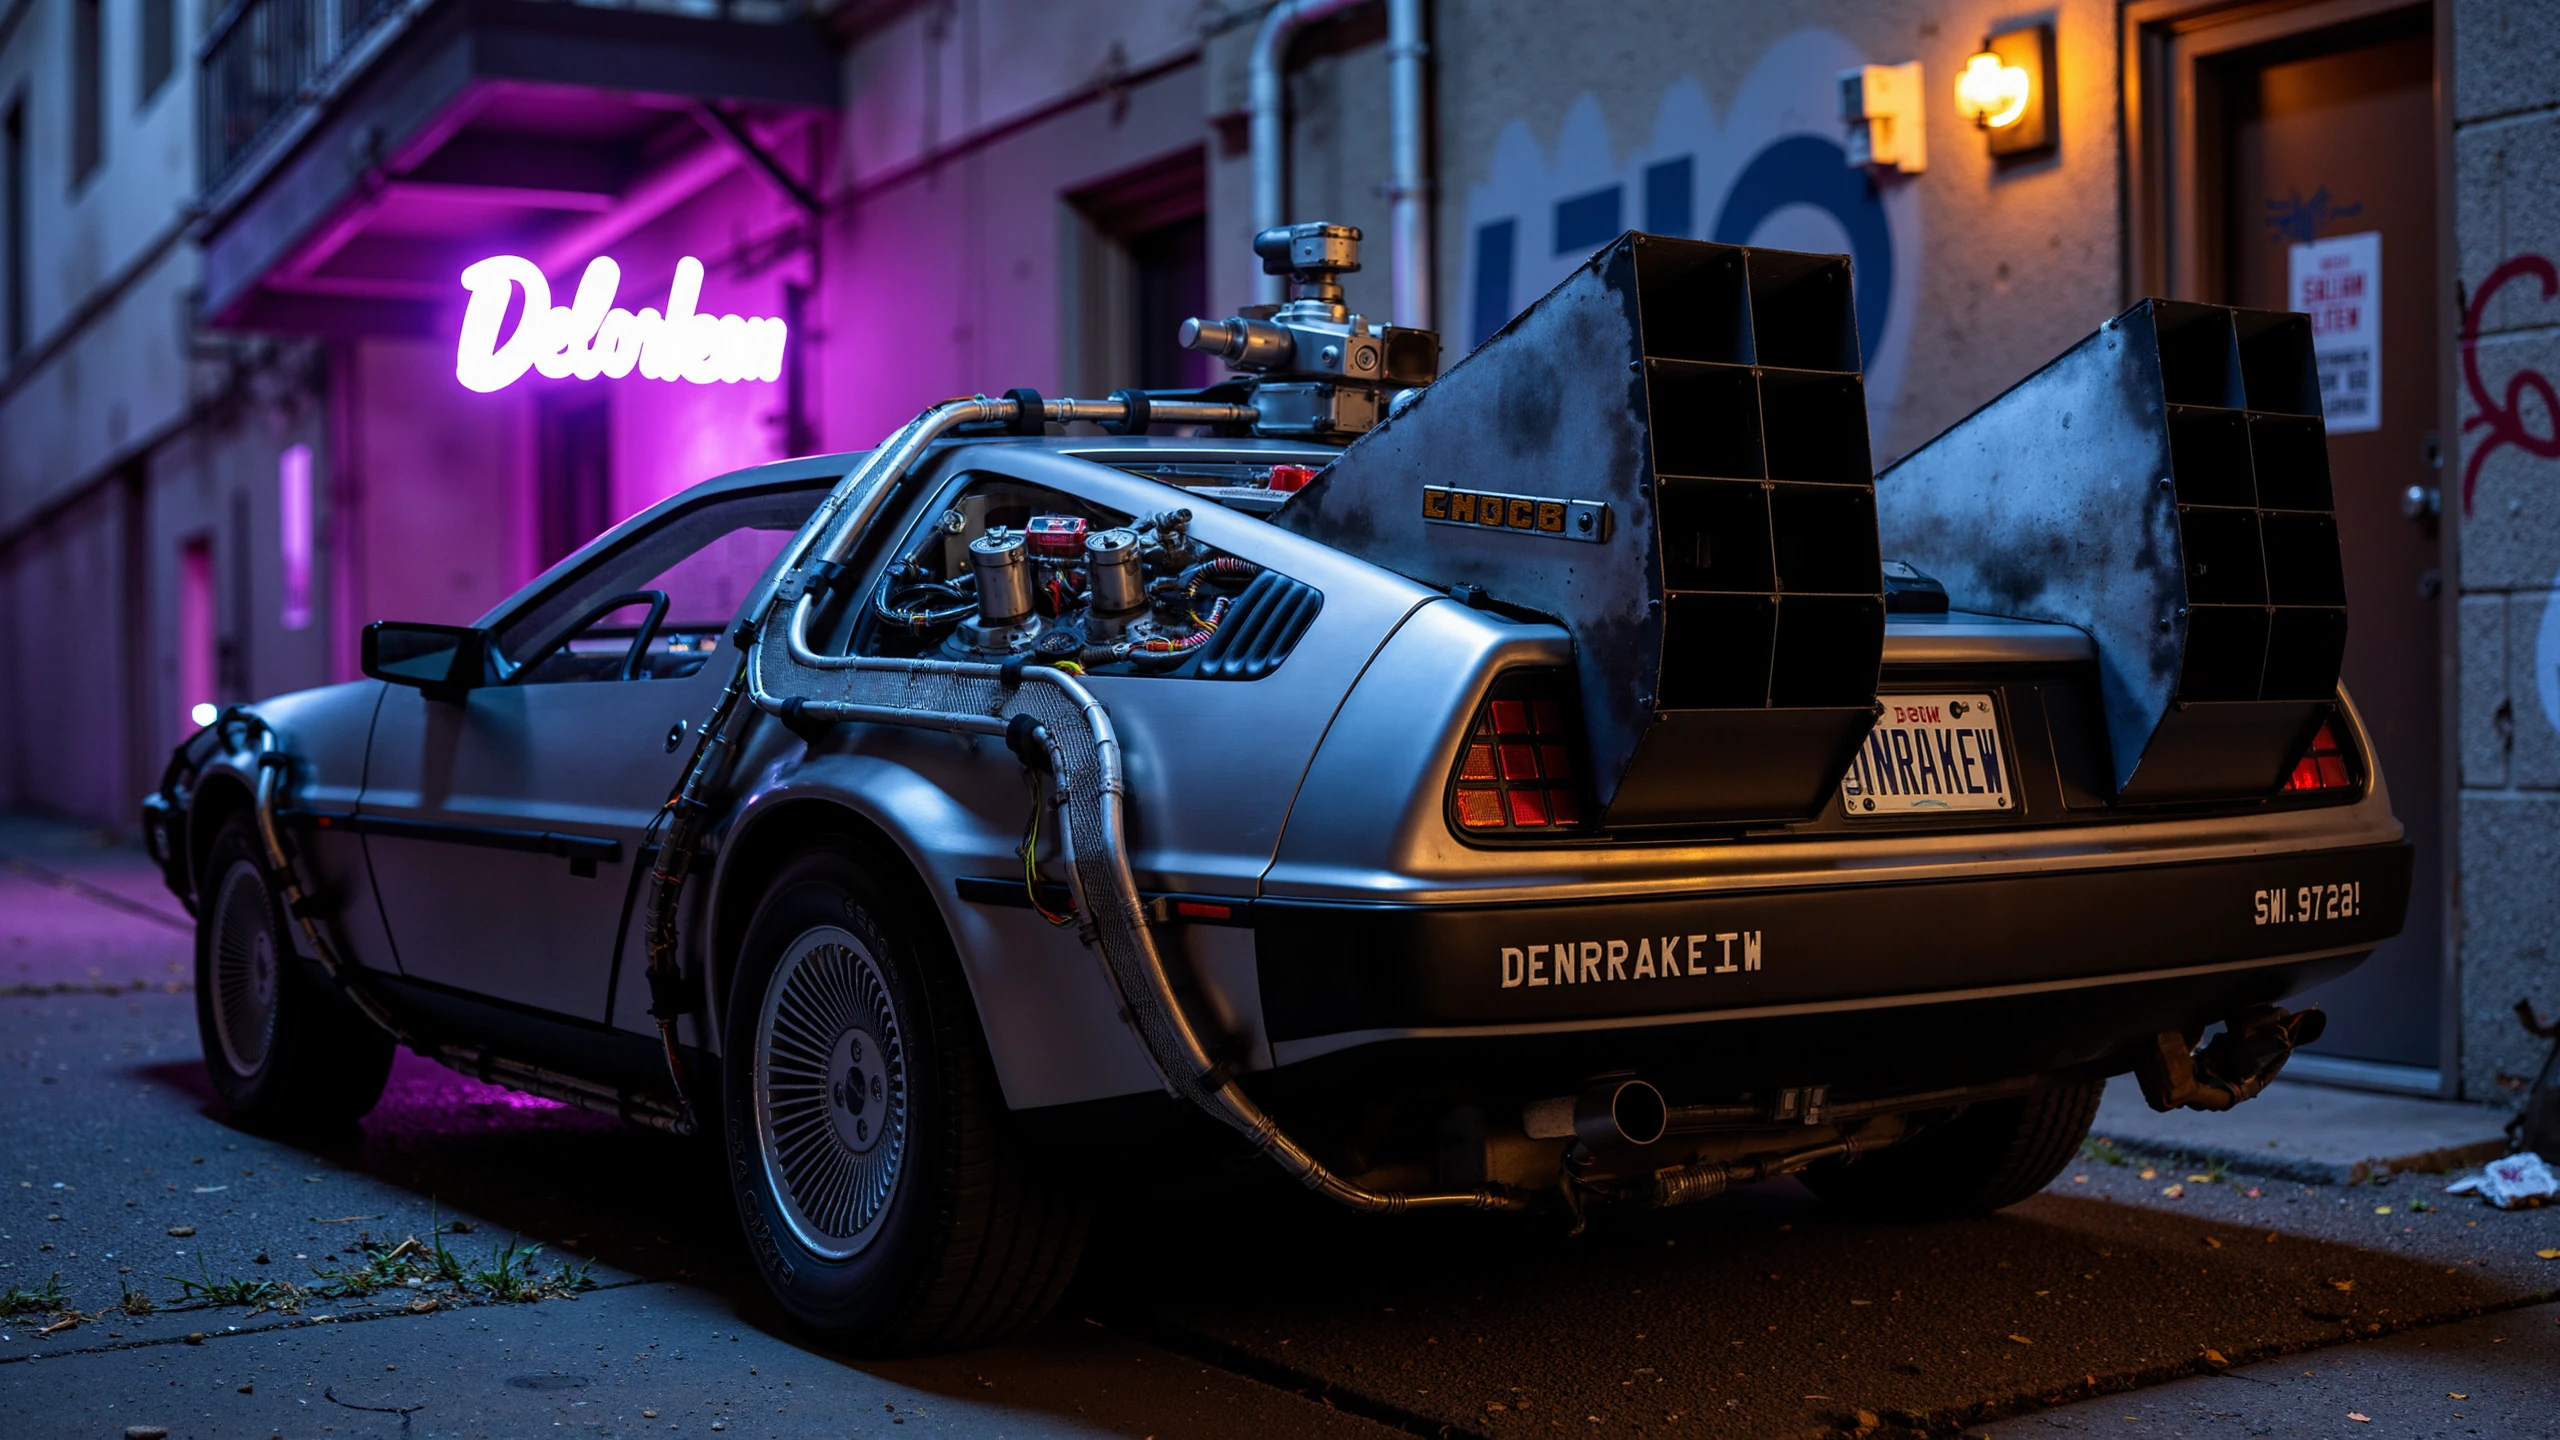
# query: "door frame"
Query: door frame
2164,180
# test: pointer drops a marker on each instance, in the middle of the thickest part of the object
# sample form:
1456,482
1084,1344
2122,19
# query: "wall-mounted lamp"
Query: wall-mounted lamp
1881,105
2007,91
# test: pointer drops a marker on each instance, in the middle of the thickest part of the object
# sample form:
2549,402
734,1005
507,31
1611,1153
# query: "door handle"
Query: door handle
2422,503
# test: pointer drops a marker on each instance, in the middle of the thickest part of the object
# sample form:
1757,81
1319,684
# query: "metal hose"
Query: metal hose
786,676
815,557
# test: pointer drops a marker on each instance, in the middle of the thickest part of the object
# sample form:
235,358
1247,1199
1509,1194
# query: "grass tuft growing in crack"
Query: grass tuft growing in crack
427,1270
256,1295
36,1299
512,1275
2103,1150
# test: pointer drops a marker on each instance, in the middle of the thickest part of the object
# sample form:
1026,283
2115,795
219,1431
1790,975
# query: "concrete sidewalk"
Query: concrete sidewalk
2315,1134
80,910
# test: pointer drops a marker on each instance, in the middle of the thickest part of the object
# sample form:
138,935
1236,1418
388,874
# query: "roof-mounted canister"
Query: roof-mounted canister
1317,370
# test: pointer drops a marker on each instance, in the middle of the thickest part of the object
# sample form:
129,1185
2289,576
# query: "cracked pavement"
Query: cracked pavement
2224,1305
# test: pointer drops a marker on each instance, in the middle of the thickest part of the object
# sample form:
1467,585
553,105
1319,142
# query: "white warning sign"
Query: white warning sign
2338,283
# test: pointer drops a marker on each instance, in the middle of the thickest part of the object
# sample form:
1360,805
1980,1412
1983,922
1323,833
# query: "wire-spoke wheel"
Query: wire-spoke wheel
284,1048
243,967
884,1195
831,1100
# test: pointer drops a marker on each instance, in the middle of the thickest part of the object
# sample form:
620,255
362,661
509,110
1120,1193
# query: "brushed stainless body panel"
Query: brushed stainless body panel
1322,781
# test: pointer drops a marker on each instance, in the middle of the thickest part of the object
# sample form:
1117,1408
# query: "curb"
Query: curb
2445,1160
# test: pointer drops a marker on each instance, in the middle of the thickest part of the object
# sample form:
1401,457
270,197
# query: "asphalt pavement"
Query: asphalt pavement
218,1283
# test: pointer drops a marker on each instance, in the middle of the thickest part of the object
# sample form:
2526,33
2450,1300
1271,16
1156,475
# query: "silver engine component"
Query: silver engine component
1112,572
1005,623
1318,369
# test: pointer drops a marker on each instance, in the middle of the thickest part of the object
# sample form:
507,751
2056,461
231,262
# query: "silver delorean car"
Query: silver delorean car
1573,780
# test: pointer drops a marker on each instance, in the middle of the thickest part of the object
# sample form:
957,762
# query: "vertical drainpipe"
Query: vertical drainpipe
1410,193
1267,105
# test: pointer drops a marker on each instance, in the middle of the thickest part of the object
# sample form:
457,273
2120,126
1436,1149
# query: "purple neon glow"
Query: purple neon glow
197,661
293,533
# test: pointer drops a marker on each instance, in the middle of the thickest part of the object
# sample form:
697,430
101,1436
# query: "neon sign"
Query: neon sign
592,336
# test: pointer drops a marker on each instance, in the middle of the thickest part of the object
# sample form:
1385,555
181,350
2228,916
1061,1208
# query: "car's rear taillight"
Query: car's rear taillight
1521,771
2323,767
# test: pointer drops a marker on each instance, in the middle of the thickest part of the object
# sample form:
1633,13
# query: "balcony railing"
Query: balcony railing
263,60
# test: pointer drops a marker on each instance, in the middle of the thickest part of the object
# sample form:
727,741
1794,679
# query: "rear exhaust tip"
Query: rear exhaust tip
1609,1114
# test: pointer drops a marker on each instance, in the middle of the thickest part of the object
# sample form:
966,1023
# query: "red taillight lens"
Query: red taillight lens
1518,773
2323,766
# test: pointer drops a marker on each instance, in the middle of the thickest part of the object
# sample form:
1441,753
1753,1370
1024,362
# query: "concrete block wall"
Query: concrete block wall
2503,491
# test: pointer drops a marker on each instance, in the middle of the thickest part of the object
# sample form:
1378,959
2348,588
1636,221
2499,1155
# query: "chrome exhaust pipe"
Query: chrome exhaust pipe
1614,1113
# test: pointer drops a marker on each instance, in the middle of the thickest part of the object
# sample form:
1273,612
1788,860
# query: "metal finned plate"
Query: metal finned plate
831,1091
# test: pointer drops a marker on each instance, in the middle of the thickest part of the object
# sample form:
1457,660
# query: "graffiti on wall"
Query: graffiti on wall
1769,171
2505,418
2505,421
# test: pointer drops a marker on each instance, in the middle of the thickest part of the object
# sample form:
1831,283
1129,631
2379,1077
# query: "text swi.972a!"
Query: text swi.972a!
2310,902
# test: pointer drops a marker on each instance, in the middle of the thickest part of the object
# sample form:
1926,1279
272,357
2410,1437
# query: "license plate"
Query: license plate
1929,753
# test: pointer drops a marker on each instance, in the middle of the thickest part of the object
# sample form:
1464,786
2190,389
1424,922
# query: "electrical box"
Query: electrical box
1888,126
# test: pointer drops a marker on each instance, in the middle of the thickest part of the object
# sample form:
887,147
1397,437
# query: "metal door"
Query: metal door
506,830
2328,139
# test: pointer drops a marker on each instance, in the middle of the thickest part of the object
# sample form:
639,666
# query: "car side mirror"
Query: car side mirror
445,661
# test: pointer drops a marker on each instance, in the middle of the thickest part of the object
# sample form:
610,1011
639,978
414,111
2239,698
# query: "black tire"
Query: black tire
1990,1157
286,1050
887,1203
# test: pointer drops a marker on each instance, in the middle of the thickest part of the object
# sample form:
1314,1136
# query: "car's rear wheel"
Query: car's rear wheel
1993,1155
882,1191
285,1050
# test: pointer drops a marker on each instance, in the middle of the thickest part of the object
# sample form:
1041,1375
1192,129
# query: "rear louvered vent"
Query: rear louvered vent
1260,630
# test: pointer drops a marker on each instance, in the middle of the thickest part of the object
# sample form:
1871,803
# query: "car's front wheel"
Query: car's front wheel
286,1050
883,1195
1991,1156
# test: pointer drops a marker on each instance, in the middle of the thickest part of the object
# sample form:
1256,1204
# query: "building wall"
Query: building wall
1994,268
948,266
61,707
123,434
2502,489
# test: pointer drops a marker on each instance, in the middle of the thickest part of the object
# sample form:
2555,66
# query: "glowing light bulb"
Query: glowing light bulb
1991,94
203,714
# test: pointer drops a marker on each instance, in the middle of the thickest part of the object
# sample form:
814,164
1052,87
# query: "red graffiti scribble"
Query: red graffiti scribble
2505,423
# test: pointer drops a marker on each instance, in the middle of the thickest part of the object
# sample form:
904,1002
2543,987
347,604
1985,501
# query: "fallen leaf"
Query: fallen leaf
2079,1179
2360,1419
2253,1192
2213,1243
2547,1254
2214,1357
2381,1209
2199,1179
2342,1284
2150,1175
181,1231
2174,1191
2021,1339
2457,1394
